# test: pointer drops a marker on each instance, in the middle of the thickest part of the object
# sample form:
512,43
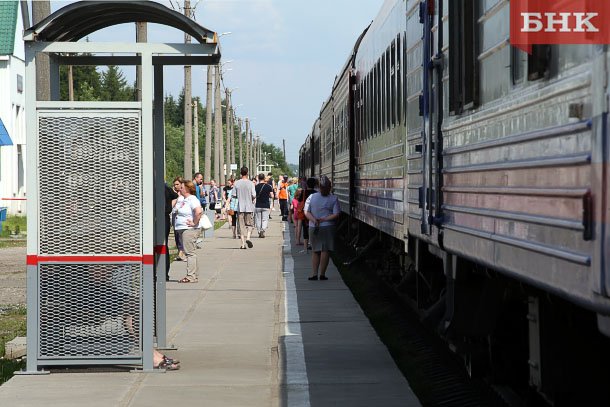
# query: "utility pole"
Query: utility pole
217,125
40,11
232,137
70,84
196,121
228,133
141,36
247,157
285,162
188,118
251,158
239,137
259,157
208,129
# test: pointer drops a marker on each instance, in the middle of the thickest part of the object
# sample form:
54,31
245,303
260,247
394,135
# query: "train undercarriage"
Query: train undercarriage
532,347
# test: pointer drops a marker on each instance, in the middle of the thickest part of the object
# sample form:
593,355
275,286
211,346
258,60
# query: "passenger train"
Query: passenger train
480,172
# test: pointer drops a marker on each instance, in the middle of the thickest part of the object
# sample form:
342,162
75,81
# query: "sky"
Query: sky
285,56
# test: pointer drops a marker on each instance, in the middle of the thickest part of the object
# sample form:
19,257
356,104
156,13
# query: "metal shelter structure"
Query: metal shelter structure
96,192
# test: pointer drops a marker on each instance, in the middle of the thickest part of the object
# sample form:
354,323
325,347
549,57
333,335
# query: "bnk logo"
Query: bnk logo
559,22
533,22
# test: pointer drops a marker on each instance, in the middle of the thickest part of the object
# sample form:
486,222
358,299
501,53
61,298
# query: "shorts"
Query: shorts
246,220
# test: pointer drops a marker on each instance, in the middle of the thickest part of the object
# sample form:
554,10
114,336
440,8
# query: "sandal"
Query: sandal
188,280
167,364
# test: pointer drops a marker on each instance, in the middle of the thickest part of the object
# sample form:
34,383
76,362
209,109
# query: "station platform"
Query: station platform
254,331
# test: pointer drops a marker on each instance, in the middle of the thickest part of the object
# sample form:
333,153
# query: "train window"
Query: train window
382,102
398,83
404,77
377,91
538,63
463,63
374,94
369,94
517,57
386,83
393,70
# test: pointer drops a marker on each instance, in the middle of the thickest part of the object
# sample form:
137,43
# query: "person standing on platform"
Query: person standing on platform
264,195
213,194
310,190
188,217
322,209
292,187
170,197
200,189
271,182
226,196
244,191
283,196
294,203
177,236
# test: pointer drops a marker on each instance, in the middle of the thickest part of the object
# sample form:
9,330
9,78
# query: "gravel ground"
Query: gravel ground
12,276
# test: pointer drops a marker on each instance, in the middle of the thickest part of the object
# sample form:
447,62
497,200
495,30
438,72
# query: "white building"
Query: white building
12,108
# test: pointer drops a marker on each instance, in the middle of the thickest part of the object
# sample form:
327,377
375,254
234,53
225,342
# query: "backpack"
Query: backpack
301,208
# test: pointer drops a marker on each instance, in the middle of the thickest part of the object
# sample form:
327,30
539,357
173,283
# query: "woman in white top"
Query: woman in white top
322,208
188,216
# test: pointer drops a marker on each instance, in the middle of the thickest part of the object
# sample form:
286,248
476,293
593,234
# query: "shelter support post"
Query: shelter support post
148,217
160,216
32,220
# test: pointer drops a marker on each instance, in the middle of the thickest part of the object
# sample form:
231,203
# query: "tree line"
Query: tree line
92,84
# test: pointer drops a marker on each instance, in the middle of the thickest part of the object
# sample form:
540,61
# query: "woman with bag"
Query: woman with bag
226,196
188,224
232,206
296,205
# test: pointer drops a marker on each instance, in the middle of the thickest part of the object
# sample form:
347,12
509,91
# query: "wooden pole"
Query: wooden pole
217,124
188,109
41,10
196,136
228,134
241,156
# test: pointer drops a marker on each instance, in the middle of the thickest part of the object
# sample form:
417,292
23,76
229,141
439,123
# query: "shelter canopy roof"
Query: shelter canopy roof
77,20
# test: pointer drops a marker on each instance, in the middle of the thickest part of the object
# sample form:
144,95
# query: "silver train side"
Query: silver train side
489,155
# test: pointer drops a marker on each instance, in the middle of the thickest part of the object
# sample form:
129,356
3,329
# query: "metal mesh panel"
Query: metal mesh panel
89,186
90,310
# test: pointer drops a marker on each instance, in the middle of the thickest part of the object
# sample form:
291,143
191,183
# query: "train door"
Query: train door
426,13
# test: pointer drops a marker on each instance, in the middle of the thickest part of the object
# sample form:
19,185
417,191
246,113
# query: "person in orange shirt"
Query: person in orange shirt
283,196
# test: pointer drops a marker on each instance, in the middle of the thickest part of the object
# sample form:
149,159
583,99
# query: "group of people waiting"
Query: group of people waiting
247,204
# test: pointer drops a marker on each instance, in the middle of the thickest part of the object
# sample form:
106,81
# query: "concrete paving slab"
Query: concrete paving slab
208,396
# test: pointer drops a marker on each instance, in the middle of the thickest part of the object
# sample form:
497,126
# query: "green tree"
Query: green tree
80,75
114,86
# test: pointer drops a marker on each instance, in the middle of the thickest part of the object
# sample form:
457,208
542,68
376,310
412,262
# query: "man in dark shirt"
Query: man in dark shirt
264,192
170,195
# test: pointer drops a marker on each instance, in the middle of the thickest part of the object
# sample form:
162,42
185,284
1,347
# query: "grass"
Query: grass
219,223
12,324
13,243
13,223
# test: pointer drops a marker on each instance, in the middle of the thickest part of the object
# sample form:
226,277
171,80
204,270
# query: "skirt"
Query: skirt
324,240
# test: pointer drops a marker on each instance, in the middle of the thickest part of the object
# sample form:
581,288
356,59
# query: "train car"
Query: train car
327,138
341,150
315,149
305,156
482,170
379,156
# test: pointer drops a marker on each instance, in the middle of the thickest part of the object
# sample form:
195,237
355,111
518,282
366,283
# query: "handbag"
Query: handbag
217,206
205,222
